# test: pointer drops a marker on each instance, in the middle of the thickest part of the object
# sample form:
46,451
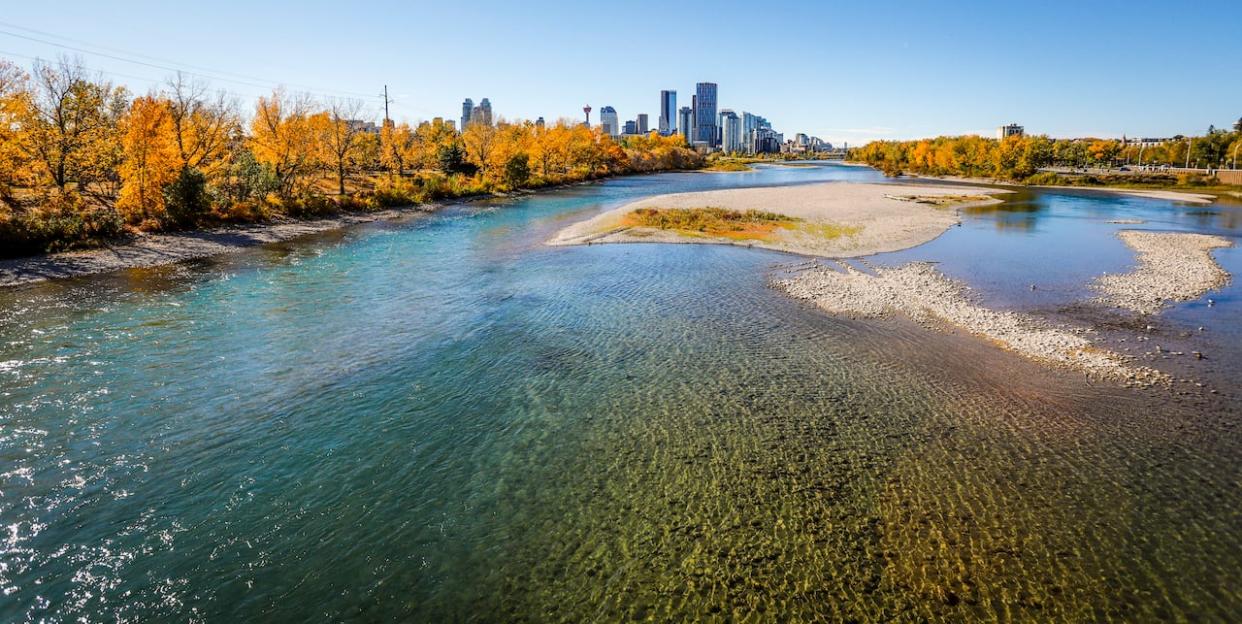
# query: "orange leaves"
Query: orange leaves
151,160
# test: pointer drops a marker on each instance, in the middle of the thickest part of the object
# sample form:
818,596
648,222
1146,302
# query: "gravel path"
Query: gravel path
1173,266
925,295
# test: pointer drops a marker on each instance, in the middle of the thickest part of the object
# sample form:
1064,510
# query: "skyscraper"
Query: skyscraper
608,121
668,112
684,122
487,111
705,113
467,107
642,123
730,131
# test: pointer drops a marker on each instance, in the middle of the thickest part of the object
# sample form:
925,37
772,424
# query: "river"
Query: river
442,419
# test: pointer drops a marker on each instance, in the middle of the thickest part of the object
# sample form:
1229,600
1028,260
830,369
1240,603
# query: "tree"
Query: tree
397,147
201,124
517,170
14,103
281,139
480,140
452,160
71,126
337,132
151,160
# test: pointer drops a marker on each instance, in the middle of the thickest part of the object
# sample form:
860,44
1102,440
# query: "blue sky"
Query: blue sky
845,71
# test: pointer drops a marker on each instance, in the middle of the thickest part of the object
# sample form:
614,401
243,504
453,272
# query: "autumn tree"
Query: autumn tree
152,160
281,138
397,147
72,126
431,139
201,123
14,103
337,132
480,141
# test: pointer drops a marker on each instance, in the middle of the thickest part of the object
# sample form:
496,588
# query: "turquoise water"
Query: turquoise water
442,419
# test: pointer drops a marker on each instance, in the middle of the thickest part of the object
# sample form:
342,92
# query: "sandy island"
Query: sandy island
832,220
1173,266
920,292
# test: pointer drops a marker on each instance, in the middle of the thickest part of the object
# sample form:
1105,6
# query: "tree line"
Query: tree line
1019,158
83,160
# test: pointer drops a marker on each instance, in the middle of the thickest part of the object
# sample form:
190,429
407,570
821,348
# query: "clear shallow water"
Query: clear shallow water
445,420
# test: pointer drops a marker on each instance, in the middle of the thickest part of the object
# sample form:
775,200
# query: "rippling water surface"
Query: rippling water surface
444,420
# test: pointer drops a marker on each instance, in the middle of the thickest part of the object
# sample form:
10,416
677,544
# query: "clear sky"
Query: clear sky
844,71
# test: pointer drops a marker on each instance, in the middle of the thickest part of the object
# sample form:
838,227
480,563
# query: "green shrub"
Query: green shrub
186,200
62,221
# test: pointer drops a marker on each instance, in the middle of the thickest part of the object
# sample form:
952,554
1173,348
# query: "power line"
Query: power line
170,67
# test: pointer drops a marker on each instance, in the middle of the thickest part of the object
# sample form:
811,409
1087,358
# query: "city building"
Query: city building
360,125
684,123
631,127
765,141
482,113
608,121
731,132
1010,130
642,123
467,107
705,113
539,123
668,112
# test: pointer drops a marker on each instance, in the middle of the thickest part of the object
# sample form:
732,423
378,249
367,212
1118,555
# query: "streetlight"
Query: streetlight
1189,143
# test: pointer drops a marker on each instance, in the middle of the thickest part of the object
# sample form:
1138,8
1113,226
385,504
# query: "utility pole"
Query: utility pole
386,101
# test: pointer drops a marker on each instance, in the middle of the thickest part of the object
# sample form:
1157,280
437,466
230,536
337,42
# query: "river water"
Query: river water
442,419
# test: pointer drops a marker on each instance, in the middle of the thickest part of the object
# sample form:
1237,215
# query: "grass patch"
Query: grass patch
710,221
940,200
728,165
831,231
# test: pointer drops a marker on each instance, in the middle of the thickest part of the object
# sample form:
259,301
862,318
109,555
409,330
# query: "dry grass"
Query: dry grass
709,221
728,165
831,230
940,200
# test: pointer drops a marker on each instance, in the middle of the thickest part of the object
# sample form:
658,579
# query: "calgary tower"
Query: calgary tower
587,109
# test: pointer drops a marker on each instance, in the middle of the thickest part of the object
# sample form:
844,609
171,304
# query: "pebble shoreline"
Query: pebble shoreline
1173,266
920,292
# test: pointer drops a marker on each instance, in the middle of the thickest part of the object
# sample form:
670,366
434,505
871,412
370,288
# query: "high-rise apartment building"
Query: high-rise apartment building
705,113
730,132
608,121
684,122
487,111
668,112
475,114
642,123
1010,130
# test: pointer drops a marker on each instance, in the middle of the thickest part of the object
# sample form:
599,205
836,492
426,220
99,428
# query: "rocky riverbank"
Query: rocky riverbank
159,249
1173,266
920,292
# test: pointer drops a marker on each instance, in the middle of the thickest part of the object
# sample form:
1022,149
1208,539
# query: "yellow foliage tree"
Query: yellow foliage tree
281,138
151,160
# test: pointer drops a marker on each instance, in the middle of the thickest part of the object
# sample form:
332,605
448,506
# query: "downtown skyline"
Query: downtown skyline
854,76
